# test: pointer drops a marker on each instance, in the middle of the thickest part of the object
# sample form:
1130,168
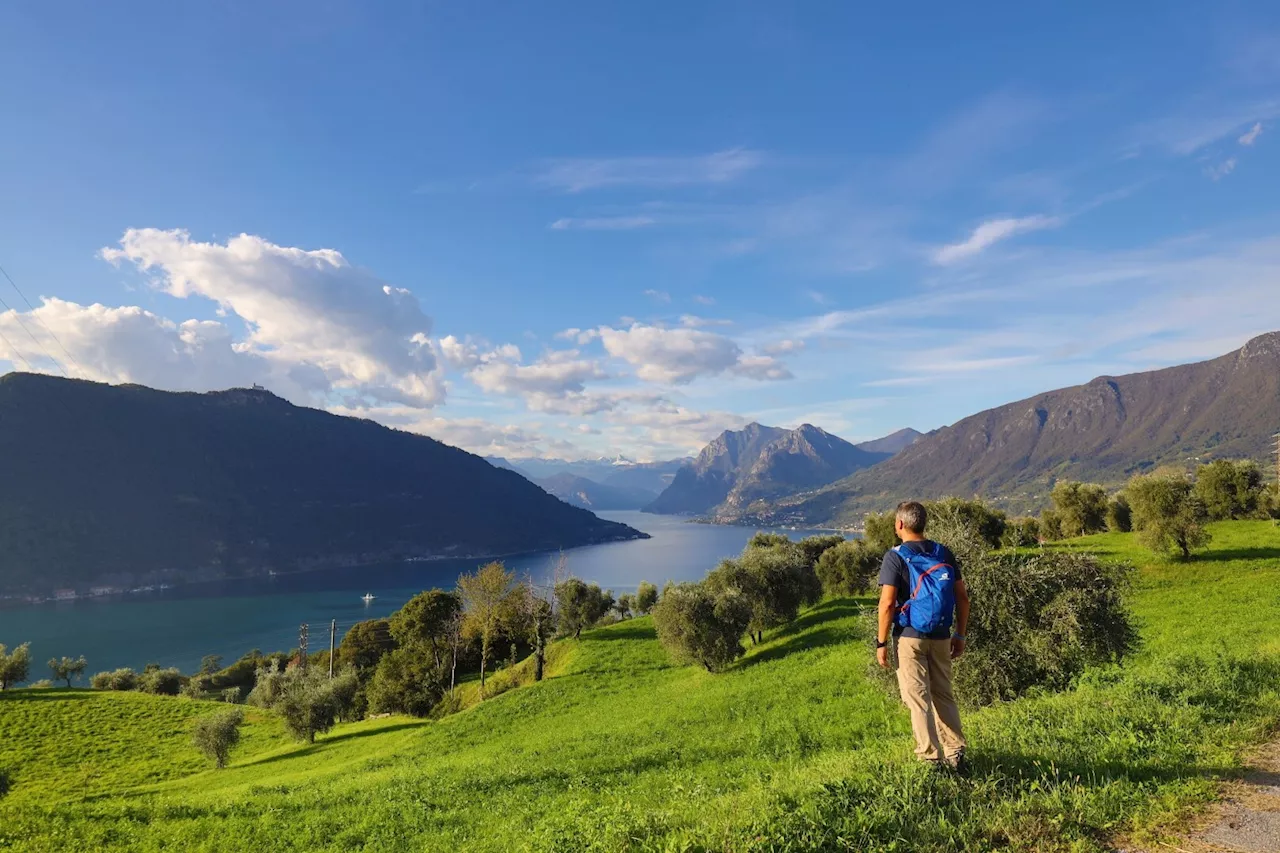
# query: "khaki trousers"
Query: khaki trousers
924,678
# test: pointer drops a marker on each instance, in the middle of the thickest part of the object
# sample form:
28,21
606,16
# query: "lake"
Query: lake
177,627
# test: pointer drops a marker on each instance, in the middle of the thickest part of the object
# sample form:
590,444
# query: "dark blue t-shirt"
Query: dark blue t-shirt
893,572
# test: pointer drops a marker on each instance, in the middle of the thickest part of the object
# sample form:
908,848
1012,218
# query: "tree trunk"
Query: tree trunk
1186,551
539,648
453,669
484,659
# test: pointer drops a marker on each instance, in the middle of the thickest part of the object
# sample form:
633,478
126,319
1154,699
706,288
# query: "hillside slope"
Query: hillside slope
1103,431
794,748
125,484
759,463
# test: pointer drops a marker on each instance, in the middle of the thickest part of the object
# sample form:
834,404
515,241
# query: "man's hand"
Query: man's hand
882,656
957,647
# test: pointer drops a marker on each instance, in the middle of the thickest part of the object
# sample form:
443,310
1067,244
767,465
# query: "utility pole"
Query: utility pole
333,632
1277,438
302,647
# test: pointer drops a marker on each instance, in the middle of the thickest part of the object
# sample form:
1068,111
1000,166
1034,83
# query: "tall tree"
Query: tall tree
1229,488
424,621
1081,507
484,603
646,597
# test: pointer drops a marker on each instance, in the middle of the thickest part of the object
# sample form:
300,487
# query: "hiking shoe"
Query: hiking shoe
959,764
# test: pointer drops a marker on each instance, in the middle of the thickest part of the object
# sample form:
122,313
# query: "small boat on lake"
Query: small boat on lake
367,597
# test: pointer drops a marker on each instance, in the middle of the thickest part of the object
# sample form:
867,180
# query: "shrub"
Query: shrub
767,540
216,735
1119,515
118,679
1167,513
306,702
775,581
696,625
268,685
231,694
815,546
42,684
15,666
1229,488
878,531
849,568
406,683
162,682
194,688
1038,620
1021,533
624,605
646,597
424,620
1081,507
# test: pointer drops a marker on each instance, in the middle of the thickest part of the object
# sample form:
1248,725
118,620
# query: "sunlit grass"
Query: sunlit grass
793,748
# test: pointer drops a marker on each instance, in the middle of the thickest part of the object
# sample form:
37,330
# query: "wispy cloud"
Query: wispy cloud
580,174
603,223
898,382
1220,171
1202,125
989,233
1251,136
658,295
704,300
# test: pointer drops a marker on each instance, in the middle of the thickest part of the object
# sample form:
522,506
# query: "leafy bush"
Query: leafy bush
581,605
1050,526
624,605
697,625
849,568
162,682
41,684
216,735
406,682
1038,620
646,597
118,679
1021,533
774,580
1168,514
1229,488
878,531
15,666
231,694
1081,507
1119,515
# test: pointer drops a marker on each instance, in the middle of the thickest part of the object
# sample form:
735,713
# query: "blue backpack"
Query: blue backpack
932,604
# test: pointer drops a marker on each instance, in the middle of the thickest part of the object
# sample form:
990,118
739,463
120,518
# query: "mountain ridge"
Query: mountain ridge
1104,430
123,484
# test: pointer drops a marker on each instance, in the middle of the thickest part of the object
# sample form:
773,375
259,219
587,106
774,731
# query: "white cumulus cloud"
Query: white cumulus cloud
680,355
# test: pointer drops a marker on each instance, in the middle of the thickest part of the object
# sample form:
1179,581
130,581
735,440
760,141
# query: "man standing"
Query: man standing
921,594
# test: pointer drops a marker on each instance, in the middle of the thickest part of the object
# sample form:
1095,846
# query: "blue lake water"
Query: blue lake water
177,627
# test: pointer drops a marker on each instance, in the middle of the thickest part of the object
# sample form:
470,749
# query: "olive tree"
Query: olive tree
698,625
216,735
15,666
66,669
1021,533
624,605
485,606
1081,507
1229,488
1119,514
646,597
423,621
878,531
1167,513
581,605
849,568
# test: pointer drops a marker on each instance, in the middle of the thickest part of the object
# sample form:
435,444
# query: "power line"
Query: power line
18,317
33,316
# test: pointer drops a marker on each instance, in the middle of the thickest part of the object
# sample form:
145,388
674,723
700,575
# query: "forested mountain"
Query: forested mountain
759,463
125,484
1104,431
589,494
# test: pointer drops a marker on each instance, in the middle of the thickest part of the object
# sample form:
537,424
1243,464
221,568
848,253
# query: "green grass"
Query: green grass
795,748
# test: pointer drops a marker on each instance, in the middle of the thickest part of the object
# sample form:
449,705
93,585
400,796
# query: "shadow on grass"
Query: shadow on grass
622,632
310,748
1229,554
810,630
46,694
1017,770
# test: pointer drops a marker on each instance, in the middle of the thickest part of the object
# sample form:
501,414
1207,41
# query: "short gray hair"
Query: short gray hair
913,516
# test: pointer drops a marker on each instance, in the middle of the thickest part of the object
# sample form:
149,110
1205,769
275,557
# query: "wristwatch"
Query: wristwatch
880,644
959,637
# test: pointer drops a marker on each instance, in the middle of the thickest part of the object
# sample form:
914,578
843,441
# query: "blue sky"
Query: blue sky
581,229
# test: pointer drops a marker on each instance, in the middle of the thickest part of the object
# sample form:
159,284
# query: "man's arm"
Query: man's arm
888,603
962,619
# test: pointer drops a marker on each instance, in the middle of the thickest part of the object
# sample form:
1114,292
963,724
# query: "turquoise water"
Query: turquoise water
179,626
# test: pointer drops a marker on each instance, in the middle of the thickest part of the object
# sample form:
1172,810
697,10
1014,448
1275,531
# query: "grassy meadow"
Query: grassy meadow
797,747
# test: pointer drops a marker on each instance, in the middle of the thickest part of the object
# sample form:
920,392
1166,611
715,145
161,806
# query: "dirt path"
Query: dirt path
1248,818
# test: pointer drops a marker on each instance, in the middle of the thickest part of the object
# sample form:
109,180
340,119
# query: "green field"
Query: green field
795,748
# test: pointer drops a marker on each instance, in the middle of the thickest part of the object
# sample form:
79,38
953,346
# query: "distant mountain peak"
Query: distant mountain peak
1263,346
